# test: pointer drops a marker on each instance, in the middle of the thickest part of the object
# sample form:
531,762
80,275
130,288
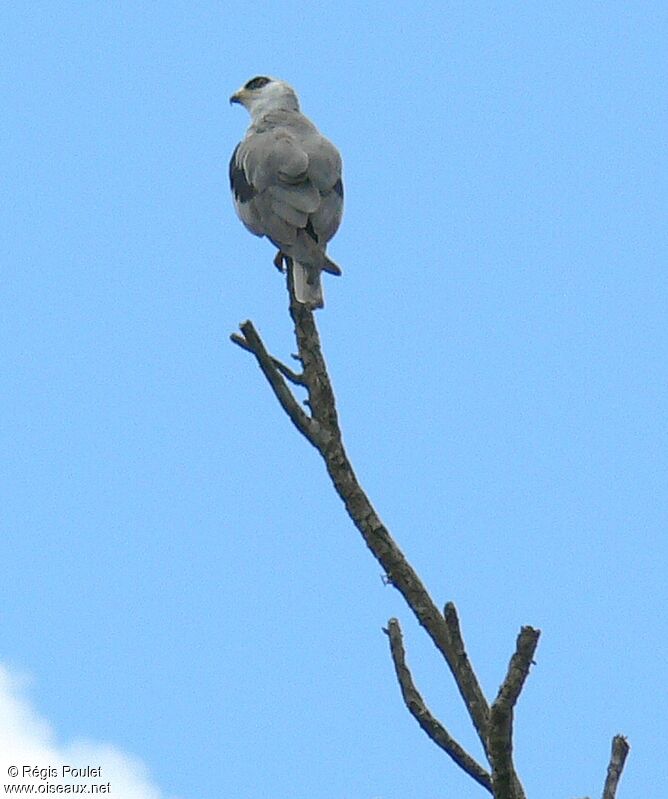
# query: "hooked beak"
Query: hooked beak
237,97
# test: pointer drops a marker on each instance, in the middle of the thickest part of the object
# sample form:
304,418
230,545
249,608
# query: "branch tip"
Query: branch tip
618,755
275,373
504,778
418,709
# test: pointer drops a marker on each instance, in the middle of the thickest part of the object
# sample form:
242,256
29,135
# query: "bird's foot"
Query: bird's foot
281,261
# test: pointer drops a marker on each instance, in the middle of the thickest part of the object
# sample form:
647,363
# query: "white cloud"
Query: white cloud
26,739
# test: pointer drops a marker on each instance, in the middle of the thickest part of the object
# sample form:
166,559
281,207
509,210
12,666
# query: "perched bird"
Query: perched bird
286,181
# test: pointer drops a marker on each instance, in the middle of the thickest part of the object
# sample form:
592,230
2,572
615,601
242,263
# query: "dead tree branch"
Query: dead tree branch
291,375
251,342
419,710
504,778
620,750
320,427
322,430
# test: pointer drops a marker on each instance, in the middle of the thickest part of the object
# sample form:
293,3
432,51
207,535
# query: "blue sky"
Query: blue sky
180,586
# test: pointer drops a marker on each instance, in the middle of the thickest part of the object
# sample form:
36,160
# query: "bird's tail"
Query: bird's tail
307,284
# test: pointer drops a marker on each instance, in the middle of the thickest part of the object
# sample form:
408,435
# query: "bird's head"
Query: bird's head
262,94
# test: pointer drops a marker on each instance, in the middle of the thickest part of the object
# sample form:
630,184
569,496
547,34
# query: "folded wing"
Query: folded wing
286,180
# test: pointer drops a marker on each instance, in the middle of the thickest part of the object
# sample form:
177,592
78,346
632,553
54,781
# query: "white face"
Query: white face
264,94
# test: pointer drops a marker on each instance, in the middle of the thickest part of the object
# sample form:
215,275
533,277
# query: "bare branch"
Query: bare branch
325,434
620,750
462,662
494,725
322,430
316,379
291,375
518,668
418,709
252,342
505,781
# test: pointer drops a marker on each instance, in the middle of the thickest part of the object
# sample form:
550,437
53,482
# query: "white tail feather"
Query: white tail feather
308,286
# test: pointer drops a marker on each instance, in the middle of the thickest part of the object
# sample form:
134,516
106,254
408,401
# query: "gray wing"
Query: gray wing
286,181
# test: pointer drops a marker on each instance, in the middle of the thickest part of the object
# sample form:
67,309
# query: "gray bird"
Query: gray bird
286,181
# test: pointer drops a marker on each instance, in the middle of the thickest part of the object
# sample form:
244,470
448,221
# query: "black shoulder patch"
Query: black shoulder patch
338,187
243,191
257,83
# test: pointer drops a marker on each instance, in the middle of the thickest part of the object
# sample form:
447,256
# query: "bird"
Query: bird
286,183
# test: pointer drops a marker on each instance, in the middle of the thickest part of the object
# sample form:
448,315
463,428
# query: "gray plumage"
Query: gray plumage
286,182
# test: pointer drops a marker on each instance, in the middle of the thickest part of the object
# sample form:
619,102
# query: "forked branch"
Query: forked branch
320,427
421,713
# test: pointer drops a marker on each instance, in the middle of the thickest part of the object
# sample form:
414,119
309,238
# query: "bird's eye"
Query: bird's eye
257,83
